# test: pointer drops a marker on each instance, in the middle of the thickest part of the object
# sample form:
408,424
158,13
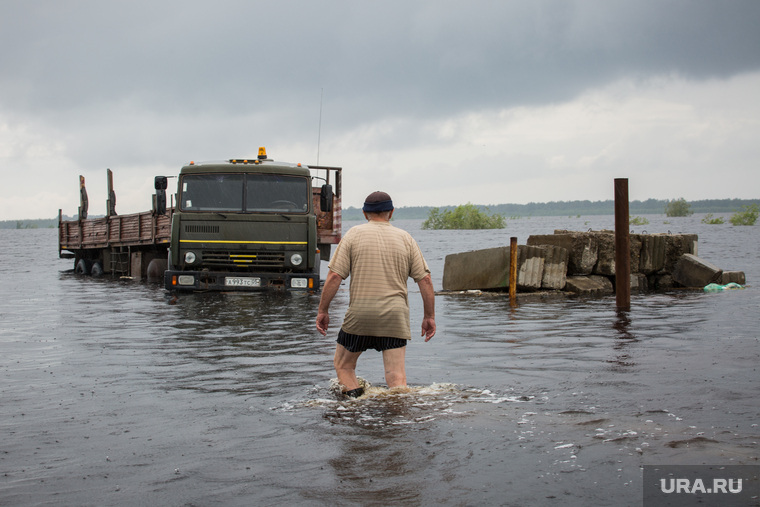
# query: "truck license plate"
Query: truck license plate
239,281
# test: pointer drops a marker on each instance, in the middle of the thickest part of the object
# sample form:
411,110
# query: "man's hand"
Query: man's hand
323,322
428,328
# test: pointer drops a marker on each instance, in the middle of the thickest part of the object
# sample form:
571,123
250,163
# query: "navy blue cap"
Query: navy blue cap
377,202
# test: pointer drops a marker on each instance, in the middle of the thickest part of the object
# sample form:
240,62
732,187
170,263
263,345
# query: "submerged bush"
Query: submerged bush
638,220
746,217
678,208
466,216
714,221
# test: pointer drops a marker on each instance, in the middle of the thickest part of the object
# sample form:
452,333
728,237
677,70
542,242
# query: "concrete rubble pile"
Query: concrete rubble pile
584,263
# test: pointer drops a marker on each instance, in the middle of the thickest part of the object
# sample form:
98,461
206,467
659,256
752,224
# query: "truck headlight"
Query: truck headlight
186,280
296,259
190,257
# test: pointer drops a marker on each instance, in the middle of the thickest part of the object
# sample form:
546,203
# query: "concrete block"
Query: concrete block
530,267
604,282
652,257
479,269
635,240
639,282
605,264
555,267
732,276
677,245
581,248
589,285
488,269
691,271
660,281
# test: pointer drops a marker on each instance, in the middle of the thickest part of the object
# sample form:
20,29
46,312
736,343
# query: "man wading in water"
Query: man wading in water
379,258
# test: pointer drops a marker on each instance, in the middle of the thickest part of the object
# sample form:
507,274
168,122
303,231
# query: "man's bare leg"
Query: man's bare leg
395,371
345,367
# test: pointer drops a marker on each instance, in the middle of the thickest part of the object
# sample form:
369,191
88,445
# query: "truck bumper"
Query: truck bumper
227,281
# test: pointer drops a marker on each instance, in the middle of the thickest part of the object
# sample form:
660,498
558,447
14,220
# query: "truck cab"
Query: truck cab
246,224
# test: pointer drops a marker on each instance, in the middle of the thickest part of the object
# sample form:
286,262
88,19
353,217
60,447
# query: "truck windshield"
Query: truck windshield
244,192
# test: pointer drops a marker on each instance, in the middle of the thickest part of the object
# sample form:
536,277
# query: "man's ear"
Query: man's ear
391,213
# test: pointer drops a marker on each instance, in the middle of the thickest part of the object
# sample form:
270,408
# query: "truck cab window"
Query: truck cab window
212,192
277,193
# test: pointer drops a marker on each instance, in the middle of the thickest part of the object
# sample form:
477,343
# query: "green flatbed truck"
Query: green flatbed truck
237,225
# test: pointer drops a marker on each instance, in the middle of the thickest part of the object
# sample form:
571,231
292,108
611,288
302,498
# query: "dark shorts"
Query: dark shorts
355,343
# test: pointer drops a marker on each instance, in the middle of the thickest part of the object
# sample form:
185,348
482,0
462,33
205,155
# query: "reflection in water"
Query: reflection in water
379,463
623,324
248,343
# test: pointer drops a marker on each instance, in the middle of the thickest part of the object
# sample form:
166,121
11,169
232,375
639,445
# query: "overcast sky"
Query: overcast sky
436,102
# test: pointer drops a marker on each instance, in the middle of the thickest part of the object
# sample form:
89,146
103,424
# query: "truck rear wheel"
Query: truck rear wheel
82,267
97,269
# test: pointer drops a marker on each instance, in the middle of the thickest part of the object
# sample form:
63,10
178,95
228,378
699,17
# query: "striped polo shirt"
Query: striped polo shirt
379,258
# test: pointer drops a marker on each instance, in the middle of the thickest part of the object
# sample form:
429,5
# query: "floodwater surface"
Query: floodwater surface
115,393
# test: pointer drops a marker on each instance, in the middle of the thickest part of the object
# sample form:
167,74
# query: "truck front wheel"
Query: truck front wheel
156,269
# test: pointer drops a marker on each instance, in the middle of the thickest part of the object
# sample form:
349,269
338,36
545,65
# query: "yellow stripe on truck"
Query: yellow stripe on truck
245,242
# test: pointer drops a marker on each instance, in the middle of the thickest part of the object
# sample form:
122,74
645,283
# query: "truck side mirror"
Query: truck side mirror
326,198
160,184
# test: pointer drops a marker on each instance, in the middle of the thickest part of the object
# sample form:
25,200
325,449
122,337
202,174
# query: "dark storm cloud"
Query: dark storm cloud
374,59
527,91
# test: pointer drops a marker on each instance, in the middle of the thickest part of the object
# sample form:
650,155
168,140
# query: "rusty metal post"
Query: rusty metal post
111,201
622,246
513,271
83,201
60,231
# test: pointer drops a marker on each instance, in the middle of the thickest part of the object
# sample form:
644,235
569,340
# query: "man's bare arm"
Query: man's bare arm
428,305
329,289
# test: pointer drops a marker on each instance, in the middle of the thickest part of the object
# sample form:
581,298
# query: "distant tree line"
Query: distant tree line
570,208
42,223
532,209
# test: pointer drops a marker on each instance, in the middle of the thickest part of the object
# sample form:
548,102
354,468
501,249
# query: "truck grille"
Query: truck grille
245,260
202,229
